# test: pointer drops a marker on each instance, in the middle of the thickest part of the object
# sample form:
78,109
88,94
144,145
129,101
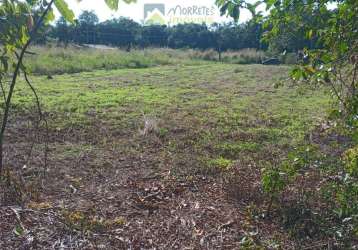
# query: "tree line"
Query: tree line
126,33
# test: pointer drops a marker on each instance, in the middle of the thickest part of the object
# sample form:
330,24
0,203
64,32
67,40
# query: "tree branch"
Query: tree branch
14,78
41,118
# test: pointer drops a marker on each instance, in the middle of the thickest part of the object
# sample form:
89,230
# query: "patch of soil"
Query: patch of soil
121,193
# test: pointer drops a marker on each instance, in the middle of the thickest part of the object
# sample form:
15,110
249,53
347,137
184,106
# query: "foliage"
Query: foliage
220,163
191,36
273,181
298,160
124,31
334,61
329,59
88,18
344,195
347,198
351,161
62,7
16,22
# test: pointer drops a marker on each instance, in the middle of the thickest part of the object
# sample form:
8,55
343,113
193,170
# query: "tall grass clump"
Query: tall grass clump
74,59
244,56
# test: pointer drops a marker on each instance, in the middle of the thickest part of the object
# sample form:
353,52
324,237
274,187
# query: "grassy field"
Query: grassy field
219,99
147,157
59,60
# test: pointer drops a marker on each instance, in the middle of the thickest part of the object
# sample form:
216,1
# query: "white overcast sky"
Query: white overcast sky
135,10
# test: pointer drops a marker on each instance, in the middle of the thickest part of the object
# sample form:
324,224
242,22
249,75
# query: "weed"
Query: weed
351,161
221,163
79,220
150,126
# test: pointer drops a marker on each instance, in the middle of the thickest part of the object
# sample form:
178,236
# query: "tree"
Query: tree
62,31
88,18
122,32
85,28
190,35
154,35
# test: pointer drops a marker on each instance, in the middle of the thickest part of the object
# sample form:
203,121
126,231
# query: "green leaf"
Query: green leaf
18,230
309,34
50,17
296,74
223,9
236,13
232,8
129,1
343,47
269,3
112,4
66,12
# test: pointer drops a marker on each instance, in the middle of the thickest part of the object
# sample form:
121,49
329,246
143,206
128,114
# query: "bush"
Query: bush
273,181
351,161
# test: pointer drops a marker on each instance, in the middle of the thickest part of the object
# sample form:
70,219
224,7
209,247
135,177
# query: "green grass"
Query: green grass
49,60
213,121
57,60
221,163
223,111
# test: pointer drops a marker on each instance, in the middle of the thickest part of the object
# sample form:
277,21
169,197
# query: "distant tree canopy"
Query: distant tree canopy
125,32
88,18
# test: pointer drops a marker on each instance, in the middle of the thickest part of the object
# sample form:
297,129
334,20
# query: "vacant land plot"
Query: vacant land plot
75,59
150,158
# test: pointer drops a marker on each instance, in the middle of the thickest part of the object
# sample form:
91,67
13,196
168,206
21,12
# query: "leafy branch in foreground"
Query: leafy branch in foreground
11,10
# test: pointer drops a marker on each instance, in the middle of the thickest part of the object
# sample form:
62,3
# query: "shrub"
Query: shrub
272,181
347,198
351,161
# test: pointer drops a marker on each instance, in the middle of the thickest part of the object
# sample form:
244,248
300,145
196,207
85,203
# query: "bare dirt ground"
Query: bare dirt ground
110,187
